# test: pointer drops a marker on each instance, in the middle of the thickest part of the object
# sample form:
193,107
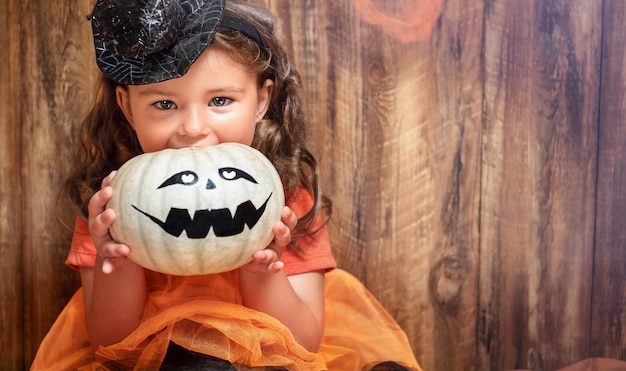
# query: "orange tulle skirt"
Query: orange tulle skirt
359,332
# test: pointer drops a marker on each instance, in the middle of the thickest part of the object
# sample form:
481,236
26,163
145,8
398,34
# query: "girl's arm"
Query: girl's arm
114,290
114,302
297,301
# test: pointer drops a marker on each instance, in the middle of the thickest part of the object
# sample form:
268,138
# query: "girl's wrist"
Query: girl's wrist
260,280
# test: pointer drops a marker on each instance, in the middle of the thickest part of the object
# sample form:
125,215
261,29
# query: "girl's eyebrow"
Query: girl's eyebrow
225,89
152,91
149,91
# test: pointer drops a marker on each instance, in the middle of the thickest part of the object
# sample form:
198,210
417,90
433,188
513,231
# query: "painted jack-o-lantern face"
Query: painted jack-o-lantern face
196,210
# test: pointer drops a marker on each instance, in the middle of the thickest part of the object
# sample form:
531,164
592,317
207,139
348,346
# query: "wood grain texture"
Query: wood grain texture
11,315
454,88
539,166
397,129
56,47
609,289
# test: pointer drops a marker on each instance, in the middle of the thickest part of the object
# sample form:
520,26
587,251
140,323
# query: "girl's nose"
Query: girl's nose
194,123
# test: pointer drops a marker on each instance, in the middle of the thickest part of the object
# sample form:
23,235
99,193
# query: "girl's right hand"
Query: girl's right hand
100,220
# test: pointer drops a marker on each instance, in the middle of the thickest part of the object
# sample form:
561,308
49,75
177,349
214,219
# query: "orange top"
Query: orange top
316,253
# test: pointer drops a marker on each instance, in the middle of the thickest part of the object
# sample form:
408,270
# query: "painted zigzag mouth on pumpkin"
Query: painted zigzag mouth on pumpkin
224,224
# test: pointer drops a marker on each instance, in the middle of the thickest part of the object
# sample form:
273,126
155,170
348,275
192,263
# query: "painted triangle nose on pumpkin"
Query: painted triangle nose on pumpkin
196,210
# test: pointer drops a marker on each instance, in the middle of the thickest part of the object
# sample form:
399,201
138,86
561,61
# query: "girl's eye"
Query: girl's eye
164,104
220,101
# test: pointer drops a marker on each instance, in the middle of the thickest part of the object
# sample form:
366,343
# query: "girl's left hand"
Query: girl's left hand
268,259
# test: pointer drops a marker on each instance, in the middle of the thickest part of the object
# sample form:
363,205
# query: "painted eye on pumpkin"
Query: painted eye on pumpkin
231,173
184,177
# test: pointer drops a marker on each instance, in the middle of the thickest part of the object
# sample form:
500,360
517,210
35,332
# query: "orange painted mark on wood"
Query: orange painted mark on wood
416,24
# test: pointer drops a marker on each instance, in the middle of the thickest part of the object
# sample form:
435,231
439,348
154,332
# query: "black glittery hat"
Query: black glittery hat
146,41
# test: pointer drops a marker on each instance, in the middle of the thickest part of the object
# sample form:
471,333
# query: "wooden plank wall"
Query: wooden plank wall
542,78
49,51
398,126
55,48
11,288
609,287
474,150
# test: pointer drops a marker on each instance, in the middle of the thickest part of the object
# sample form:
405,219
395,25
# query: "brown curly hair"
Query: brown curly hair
107,140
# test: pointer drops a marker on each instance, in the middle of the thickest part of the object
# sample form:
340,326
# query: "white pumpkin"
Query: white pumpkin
196,210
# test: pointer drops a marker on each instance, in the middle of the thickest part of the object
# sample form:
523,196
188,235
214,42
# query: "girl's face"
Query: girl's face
216,101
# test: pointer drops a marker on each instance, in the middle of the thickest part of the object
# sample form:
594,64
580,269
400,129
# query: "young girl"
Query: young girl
198,73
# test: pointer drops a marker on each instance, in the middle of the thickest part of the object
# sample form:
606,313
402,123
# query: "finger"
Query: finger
266,256
288,217
275,267
100,224
110,264
264,267
98,201
282,235
112,249
107,181
114,254
107,266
